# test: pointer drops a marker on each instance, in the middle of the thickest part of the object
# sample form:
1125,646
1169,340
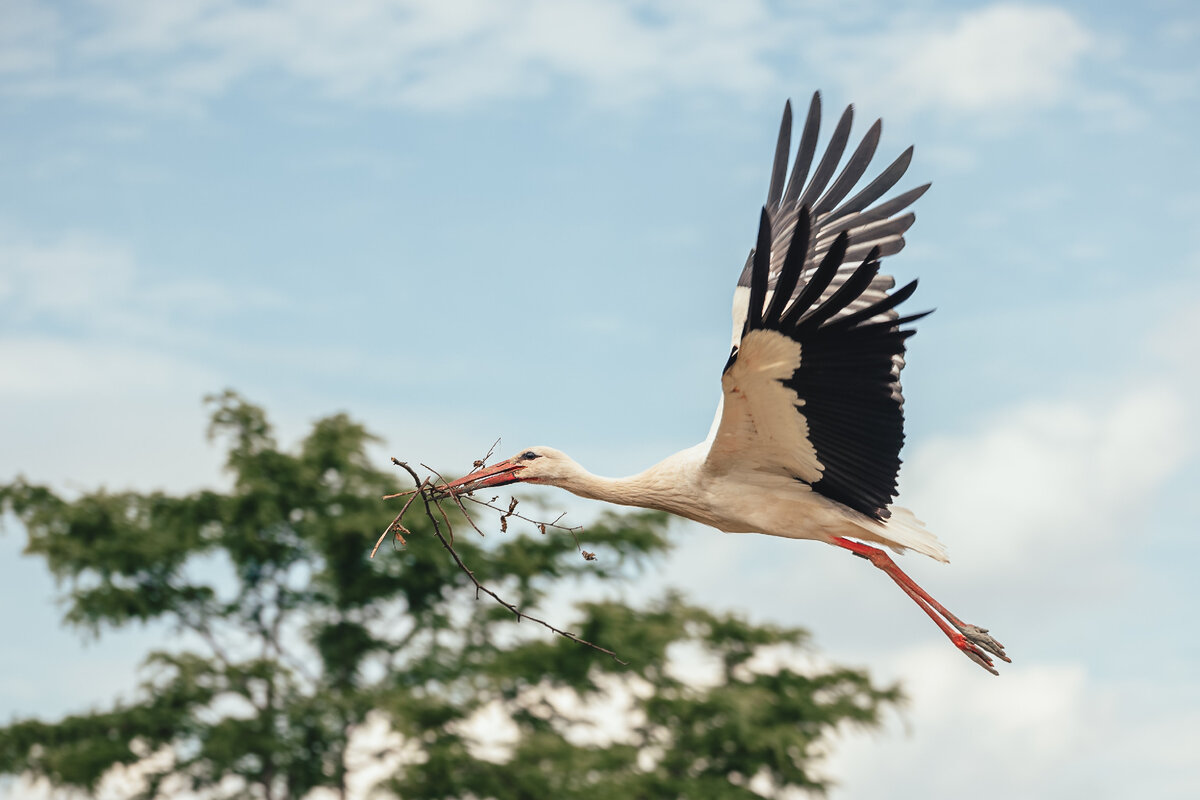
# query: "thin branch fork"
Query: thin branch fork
428,491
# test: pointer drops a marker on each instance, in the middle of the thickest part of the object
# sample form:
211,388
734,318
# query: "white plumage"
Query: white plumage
810,424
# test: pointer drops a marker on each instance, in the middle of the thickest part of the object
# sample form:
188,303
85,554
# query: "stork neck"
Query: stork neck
623,491
657,487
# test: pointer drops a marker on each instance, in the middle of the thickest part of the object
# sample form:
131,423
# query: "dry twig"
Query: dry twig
431,495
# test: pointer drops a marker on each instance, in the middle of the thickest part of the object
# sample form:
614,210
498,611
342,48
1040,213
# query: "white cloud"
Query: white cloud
1001,59
41,367
73,275
1045,730
100,414
1028,721
1175,331
1048,477
93,382
104,363
27,37
95,283
420,53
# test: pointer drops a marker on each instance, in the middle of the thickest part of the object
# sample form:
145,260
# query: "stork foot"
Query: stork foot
974,653
980,637
974,641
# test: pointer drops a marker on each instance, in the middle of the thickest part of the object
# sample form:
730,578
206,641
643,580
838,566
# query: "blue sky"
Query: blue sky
525,219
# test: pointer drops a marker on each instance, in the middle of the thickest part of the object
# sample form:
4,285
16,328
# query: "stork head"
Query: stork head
532,465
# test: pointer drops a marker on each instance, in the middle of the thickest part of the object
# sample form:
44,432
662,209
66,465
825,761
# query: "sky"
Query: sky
460,220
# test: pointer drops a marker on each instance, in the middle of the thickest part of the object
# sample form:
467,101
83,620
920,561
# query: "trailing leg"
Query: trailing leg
972,640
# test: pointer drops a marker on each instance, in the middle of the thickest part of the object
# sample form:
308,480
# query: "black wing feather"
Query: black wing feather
848,377
878,187
846,294
806,150
779,168
854,169
793,267
886,304
829,161
819,281
762,269
869,221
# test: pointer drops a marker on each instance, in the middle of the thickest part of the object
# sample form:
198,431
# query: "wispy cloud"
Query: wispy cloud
69,276
29,38
94,283
96,346
1043,479
1001,62
447,54
422,53
1049,730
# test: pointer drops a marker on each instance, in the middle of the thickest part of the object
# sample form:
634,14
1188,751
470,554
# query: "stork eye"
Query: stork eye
529,455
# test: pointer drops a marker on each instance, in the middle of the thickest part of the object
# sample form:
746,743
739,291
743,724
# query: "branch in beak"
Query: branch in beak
499,474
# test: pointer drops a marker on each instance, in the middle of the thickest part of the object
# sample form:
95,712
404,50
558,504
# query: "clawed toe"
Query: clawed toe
979,658
974,640
981,637
974,653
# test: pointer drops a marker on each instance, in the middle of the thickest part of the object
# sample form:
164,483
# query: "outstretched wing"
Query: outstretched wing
813,388
868,226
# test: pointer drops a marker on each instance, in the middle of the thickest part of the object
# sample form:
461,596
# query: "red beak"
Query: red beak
499,474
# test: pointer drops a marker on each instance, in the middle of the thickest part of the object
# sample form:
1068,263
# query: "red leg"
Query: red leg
973,641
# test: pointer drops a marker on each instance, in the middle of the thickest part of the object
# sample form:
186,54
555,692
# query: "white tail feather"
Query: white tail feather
902,530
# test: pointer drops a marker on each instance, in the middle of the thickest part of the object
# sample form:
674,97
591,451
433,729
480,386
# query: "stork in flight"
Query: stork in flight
807,436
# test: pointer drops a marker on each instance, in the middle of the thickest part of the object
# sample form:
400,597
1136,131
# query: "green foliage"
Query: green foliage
290,637
682,739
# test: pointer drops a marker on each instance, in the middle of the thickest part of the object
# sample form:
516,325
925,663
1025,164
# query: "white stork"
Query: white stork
807,436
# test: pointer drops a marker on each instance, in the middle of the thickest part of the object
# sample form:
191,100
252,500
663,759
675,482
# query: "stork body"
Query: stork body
807,436
689,485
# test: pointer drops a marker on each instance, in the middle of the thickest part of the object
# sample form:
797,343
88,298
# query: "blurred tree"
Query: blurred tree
291,639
